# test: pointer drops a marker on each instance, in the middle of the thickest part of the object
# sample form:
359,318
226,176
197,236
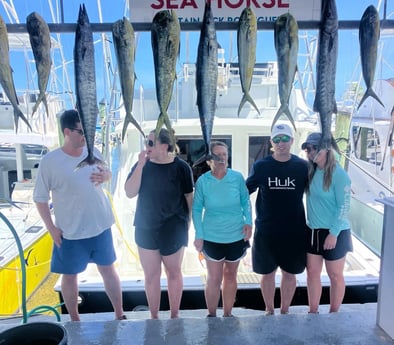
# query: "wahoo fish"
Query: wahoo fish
326,67
369,33
286,47
85,84
165,39
207,78
40,41
124,43
246,45
6,79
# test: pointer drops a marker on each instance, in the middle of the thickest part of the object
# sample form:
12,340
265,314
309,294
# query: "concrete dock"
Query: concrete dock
354,324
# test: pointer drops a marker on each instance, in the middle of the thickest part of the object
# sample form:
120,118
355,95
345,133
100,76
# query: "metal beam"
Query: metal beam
227,26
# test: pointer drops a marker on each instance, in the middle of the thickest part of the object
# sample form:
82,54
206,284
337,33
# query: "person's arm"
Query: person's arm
341,186
189,201
45,214
133,183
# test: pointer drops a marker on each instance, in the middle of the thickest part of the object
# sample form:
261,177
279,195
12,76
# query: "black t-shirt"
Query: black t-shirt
161,194
279,204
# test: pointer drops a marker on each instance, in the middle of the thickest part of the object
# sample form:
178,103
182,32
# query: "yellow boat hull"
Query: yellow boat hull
37,258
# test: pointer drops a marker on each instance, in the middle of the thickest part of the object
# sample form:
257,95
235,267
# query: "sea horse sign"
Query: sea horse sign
143,11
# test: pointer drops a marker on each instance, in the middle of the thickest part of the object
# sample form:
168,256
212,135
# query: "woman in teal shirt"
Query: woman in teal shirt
223,223
328,231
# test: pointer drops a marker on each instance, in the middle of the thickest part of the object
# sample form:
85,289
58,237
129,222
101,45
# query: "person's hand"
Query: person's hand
247,231
142,158
57,235
100,175
198,243
330,242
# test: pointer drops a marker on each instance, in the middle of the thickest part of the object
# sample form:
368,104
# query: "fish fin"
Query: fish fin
371,93
284,109
247,98
18,114
130,119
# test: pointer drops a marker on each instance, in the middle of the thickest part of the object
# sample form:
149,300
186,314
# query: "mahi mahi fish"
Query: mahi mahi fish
40,42
206,78
326,66
246,45
165,39
6,79
85,84
369,32
124,43
286,47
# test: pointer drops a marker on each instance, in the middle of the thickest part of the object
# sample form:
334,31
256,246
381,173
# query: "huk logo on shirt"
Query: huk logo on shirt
277,183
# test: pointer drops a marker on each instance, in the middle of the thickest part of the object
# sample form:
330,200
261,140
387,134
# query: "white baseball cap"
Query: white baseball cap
281,129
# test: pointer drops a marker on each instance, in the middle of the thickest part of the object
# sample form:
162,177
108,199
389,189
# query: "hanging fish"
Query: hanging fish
369,32
40,42
286,46
207,78
124,43
246,45
85,84
165,39
6,79
326,67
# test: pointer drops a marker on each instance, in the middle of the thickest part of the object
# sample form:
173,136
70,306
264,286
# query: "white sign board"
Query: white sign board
143,11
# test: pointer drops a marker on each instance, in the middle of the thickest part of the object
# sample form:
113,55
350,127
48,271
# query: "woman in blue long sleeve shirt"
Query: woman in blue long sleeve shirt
223,223
328,231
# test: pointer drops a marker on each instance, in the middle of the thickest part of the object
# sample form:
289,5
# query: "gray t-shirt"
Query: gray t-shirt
81,209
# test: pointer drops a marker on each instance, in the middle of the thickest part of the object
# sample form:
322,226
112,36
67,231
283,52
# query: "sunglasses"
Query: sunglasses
309,149
78,130
283,139
149,143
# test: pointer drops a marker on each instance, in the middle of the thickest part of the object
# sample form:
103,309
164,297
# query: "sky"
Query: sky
348,68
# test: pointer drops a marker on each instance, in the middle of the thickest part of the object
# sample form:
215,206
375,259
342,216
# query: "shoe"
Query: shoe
209,315
269,312
230,315
123,317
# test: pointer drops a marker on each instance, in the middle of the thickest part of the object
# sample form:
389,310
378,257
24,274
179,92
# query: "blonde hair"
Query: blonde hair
329,167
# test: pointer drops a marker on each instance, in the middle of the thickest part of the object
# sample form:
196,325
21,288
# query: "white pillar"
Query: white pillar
385,310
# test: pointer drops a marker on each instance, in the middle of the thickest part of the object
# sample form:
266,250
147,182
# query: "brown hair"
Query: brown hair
164,138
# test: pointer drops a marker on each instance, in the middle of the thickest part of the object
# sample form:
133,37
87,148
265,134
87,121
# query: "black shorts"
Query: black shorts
168,238
315,242
271,250
231,252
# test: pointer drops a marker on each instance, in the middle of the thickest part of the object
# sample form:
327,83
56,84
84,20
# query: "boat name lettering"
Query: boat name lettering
183,4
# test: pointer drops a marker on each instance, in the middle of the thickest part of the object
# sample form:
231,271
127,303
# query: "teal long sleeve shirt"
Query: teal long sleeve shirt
221,207
329,209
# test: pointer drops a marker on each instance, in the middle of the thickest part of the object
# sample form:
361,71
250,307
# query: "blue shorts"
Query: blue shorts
231,252
315,242
73,256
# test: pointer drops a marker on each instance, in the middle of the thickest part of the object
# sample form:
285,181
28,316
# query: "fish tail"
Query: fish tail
284,109
130,119
165,120
90,161
18,114
371,93
247,98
